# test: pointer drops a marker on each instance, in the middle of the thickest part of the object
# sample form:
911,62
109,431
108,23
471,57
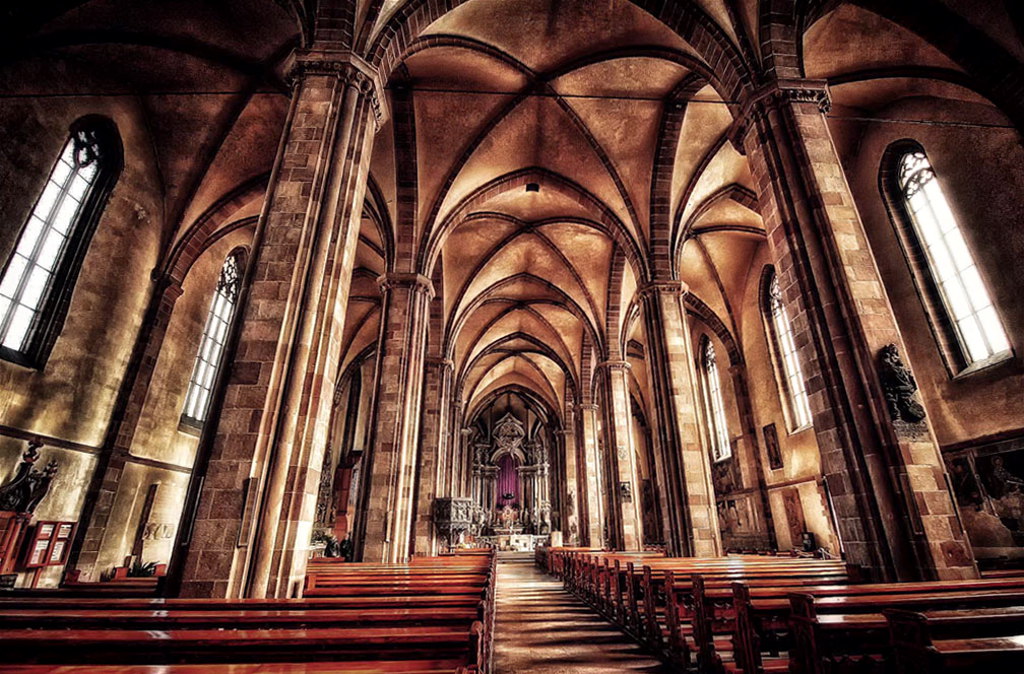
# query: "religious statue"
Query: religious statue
899,386
28,486
508,516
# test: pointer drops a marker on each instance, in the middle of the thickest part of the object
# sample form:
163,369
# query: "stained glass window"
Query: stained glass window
48,253
714,407
794,391
965,298
211,349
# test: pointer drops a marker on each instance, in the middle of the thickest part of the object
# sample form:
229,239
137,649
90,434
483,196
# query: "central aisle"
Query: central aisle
539,627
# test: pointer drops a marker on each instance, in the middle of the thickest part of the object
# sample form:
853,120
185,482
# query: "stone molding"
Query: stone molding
446,363
347,67
415,282
588,406
667,287
773,95
615,365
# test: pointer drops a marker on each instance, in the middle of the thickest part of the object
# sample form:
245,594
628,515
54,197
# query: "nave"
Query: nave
310,307
540,627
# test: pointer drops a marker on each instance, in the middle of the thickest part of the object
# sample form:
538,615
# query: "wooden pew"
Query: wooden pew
760,616
432,615
348,667
859,636
634,590
966,642
114,646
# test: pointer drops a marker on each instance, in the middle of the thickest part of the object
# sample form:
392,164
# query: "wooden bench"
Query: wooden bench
971,641
117,646
433,615
759,616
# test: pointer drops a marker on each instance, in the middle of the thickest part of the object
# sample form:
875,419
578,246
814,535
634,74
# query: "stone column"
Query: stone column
431,464
592,532
885,477
570,498
399,401
121,432
690,517
453,447
626,493
257,499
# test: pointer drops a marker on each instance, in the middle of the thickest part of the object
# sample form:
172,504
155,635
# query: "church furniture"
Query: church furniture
830,623
967,641
433,614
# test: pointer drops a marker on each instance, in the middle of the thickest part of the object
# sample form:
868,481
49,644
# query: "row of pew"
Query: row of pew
435,614
754,614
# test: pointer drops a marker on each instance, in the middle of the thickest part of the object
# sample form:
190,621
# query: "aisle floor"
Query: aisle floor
542,628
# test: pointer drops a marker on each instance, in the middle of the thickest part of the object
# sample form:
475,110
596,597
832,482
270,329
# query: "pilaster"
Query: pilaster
571,489
690,517
590,477
121,433
626,492
392,460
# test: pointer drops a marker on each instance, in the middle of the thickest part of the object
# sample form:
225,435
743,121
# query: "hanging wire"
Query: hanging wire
530,94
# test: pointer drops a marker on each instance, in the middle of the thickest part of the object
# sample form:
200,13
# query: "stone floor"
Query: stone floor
542,628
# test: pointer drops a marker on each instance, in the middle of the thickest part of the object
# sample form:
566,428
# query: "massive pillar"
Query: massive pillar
392,458
570,486
589,472
256,499
884,477
625,492
690,518
430,466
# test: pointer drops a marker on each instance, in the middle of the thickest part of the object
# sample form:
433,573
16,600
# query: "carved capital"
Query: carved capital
347,67
613,365
771,97
588,407
655,288
443,363
415,282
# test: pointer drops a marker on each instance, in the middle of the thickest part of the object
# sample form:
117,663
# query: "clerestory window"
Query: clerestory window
211,349
714,407
40,273
793,390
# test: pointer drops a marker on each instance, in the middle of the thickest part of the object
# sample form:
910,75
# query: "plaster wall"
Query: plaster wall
979,171
801,461
71,397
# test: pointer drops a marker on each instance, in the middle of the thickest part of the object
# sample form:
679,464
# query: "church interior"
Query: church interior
511,336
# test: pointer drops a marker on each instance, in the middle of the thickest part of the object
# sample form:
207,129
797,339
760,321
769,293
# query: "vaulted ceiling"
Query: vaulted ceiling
549,143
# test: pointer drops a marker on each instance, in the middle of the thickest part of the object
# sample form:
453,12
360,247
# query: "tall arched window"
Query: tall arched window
783,346
957,301
211,349
40,274
714,407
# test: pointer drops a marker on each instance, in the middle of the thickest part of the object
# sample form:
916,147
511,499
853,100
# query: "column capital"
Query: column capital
565,431
771,95
446,363
466,431
668,287
415,282
615,365
348,67
588,407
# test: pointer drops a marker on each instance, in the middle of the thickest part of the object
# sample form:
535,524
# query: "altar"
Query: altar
515,542
510,487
